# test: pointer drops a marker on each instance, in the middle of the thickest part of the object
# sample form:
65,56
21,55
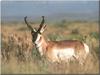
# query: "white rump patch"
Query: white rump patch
86,48
64,54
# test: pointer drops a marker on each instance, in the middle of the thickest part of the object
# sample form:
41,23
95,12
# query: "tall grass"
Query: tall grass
19,55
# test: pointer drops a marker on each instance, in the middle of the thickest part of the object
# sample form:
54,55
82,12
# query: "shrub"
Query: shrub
75,31
95,35
62,23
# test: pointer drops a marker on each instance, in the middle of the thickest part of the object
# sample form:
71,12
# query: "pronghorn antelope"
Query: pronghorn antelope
57,51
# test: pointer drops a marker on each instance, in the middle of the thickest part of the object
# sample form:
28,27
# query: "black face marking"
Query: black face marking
34,36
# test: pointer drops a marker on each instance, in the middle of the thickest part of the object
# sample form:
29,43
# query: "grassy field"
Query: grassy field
19,55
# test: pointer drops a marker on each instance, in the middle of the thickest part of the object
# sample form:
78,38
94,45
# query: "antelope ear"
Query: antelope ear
42,29
34,29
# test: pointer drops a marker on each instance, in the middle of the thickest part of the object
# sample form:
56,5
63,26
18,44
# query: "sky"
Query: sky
53,9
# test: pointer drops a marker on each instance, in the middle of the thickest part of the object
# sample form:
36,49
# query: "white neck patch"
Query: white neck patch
38,43
38,38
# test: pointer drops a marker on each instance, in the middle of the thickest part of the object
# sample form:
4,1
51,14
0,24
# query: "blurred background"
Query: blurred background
53,10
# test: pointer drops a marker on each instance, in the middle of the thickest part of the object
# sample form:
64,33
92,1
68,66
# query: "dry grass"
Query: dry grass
19,55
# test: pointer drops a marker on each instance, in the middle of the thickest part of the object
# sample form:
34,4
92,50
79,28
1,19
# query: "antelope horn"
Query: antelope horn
29,26
41,25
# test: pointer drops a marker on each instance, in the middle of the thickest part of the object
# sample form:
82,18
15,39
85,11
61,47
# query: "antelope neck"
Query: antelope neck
41,45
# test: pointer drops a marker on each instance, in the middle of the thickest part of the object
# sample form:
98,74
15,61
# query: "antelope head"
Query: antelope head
36,34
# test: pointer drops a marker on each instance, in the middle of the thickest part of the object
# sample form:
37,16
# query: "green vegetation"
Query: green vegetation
95,35
61,24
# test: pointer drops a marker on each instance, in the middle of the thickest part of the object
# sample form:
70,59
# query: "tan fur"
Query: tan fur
49,46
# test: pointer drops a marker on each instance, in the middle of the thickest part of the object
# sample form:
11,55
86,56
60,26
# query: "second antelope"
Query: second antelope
57,51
